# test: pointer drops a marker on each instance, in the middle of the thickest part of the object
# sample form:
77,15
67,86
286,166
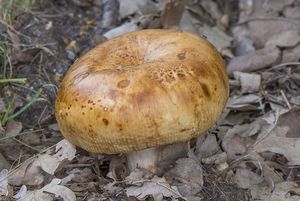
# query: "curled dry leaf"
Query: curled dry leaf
206,145
291,55
82,175
156,187
270,28
245,178
4,182
4,164
245,103
130,7
13,128
186,176
292,12
277,141
64,151
254,61
218,38
242,43
250,82
288,191
31,173
45,193
215,159
188,23
288,38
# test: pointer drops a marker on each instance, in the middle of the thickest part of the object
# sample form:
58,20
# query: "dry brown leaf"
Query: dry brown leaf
234,146
292,12
13,128
260,59
250,82
287,191
269,174
291,54
142,7
245,178
215,159
156,187
245,103
188,22
218,38
243,45
31,173
186,176
206,145
278,143
212,8
172,12
54,188
285,39
84,175
64,150
260,191
4,164
270,28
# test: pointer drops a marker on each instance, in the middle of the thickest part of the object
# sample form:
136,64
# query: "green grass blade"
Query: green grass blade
25,107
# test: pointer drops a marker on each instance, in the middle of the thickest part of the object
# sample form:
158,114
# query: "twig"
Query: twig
26,145
269,18
20,134
285,99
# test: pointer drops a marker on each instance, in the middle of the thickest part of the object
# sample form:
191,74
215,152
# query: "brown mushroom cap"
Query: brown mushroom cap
140,90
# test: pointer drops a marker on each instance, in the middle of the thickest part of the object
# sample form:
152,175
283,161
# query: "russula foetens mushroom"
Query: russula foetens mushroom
142,90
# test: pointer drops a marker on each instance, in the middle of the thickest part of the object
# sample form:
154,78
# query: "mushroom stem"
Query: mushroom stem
156,159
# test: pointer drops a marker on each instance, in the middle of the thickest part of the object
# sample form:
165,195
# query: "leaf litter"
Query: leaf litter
252,152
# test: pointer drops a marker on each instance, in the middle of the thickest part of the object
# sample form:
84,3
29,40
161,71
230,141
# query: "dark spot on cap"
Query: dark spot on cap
142,97
120,127
123,83
105,121
199,71
205,89
180,75
181,56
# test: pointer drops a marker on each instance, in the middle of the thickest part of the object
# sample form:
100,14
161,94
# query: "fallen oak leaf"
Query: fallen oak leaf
44,193
157,187
289,147
64,151
254,61
288,191
30,173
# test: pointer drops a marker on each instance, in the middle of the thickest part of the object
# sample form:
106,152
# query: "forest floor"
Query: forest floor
252,153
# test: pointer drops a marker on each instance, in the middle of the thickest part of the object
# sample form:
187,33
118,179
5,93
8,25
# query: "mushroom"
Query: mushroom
141,92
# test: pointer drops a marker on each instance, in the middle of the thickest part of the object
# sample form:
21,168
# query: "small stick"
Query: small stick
285,99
